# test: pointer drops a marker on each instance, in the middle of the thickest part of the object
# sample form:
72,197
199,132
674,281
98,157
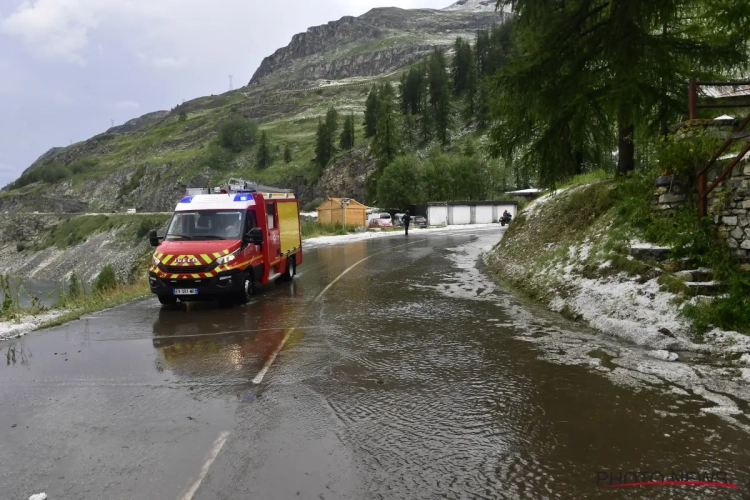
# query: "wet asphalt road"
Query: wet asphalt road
409,376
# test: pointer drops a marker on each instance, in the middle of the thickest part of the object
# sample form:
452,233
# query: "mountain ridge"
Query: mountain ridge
149,160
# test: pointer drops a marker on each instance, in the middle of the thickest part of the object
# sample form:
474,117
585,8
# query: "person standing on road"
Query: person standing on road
407,220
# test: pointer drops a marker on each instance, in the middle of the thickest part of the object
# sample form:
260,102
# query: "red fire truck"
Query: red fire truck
223,243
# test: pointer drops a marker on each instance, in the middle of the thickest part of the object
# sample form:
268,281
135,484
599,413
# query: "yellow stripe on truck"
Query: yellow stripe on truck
206,258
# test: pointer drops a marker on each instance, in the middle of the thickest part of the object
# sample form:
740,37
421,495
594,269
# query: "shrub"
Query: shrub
182,116
75,289
313,205
107,280
83,165
217,158
238,133
49,172
144,226
686,153
20,246
134,182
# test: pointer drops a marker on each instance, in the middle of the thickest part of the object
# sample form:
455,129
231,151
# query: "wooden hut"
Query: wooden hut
330,212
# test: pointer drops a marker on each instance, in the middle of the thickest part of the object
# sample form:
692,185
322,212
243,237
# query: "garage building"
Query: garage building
464,212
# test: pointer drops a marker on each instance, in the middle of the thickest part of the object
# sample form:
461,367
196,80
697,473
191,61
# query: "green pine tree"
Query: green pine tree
287,154
586,65
386,142
371,112
463,61
439,95
263,154
322,150
346,141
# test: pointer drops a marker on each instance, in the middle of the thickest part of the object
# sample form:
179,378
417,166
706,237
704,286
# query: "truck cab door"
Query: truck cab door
251,221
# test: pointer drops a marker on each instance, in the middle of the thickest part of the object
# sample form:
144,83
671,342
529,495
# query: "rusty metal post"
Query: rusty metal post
693,98
702,196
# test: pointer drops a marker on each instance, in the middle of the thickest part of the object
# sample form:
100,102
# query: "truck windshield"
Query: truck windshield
206,225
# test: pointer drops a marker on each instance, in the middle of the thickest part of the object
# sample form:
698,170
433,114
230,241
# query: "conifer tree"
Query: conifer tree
347,134
263,155
588,64
439,95
386,143
322,149
287,154
371,112
463,61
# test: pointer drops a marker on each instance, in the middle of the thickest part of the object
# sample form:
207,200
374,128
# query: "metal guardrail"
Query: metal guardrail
738,133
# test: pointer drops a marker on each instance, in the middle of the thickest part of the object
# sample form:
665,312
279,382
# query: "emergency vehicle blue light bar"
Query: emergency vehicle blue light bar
242,197
186,199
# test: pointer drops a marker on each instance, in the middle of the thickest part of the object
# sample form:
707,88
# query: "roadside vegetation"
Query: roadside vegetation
586,229
313,229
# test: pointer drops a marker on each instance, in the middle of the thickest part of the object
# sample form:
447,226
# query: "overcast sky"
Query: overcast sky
67,67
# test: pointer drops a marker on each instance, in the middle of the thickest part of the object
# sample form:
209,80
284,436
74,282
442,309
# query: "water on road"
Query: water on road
392,368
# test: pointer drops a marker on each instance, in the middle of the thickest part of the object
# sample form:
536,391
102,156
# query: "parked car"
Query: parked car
378,215
380,223
419,221
398,220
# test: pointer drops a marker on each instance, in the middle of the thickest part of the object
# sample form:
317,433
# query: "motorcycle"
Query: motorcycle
506,219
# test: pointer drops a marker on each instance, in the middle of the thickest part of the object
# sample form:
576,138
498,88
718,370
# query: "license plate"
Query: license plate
186,291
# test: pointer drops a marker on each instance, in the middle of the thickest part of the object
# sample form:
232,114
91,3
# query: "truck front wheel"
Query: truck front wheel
248,287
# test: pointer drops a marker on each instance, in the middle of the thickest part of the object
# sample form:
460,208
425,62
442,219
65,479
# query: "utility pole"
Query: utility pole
344,204
113,122
231,87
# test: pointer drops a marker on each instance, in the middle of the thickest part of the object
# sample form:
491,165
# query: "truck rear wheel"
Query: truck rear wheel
291,269
167,300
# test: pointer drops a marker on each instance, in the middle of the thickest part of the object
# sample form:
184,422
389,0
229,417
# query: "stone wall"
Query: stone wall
729,204
669,195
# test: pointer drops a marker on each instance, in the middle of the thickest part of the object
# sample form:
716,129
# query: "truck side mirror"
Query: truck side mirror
153,238
255,236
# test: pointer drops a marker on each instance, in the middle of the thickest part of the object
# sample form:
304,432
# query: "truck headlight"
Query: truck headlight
155,261
225,259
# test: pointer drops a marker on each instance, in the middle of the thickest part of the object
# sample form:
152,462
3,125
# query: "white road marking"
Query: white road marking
218,444
262,373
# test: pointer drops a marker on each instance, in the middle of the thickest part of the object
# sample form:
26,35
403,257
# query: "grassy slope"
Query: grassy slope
585,231
289,117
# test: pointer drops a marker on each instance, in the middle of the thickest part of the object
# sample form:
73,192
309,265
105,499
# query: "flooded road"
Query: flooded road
391,368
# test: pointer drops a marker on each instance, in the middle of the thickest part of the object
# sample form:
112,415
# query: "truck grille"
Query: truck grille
187,270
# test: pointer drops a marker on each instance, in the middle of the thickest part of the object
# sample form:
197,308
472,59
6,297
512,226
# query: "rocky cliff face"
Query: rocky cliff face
316,40
369,64
380,41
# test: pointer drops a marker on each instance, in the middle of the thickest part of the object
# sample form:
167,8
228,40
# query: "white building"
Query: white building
465,212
